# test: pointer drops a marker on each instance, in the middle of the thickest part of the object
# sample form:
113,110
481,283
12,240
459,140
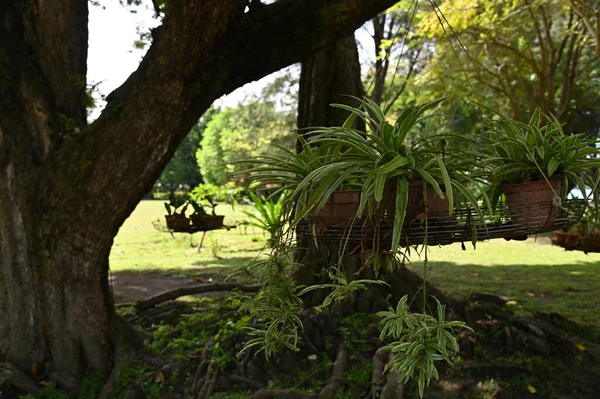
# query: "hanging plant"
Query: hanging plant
383,160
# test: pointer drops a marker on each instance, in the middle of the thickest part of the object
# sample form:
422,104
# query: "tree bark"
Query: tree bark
66,187
329,76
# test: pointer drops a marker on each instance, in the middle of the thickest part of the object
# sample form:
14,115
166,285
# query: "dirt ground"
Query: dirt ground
136,287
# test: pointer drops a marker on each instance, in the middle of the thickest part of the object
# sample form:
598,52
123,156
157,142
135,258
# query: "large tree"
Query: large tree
242,132
517,56
66,186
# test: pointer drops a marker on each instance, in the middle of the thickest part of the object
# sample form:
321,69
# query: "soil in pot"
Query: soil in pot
177,223
208,221
530,205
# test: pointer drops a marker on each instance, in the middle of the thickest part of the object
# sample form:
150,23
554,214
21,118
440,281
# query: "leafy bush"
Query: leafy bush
242,132
267,216
228,193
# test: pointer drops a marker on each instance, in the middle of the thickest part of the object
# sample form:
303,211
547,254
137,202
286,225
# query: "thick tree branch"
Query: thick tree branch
569,73
193,290
586,13
58,30
287,31
413,63
493,39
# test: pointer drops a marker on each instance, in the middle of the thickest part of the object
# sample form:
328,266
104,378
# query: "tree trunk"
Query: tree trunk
54,294
66,187
329,76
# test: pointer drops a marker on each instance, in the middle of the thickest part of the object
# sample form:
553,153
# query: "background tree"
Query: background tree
396,46
183,167
242,132
66,187
516,56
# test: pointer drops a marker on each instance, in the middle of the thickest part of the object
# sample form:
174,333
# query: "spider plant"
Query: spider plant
284,171
266,216
378,160
517,152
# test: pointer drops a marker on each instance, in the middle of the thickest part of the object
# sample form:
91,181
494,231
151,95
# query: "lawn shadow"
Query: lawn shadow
215,268
568,289
135,285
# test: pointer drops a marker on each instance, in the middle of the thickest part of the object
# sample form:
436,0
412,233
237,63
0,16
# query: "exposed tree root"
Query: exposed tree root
210,379
120,360
201,371
493,367
128,341
17,378
338,374
394,388
309,376
193,290
280,394
169,313
380,358
247,381
519,344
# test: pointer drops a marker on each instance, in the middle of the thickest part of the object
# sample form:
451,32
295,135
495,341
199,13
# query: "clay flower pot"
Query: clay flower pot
530,205
178,223
590,244
416,203
340,208
208,221
568,240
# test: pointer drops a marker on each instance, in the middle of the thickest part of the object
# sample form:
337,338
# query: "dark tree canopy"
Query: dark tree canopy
66,187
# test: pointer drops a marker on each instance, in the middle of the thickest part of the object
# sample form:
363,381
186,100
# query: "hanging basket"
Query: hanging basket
208,221
532,204
464,226
177,223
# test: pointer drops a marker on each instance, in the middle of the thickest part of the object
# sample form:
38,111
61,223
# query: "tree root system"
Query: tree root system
193,349
507,356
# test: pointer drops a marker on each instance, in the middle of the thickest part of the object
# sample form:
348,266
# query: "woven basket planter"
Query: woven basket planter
530,205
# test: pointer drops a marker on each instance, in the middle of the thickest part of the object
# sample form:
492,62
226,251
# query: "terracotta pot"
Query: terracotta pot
567,240
416,204
340,208
530,205
208,221
177,223
572,240
590,244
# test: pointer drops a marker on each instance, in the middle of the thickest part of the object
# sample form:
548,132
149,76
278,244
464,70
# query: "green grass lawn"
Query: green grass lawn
140,247
534,276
